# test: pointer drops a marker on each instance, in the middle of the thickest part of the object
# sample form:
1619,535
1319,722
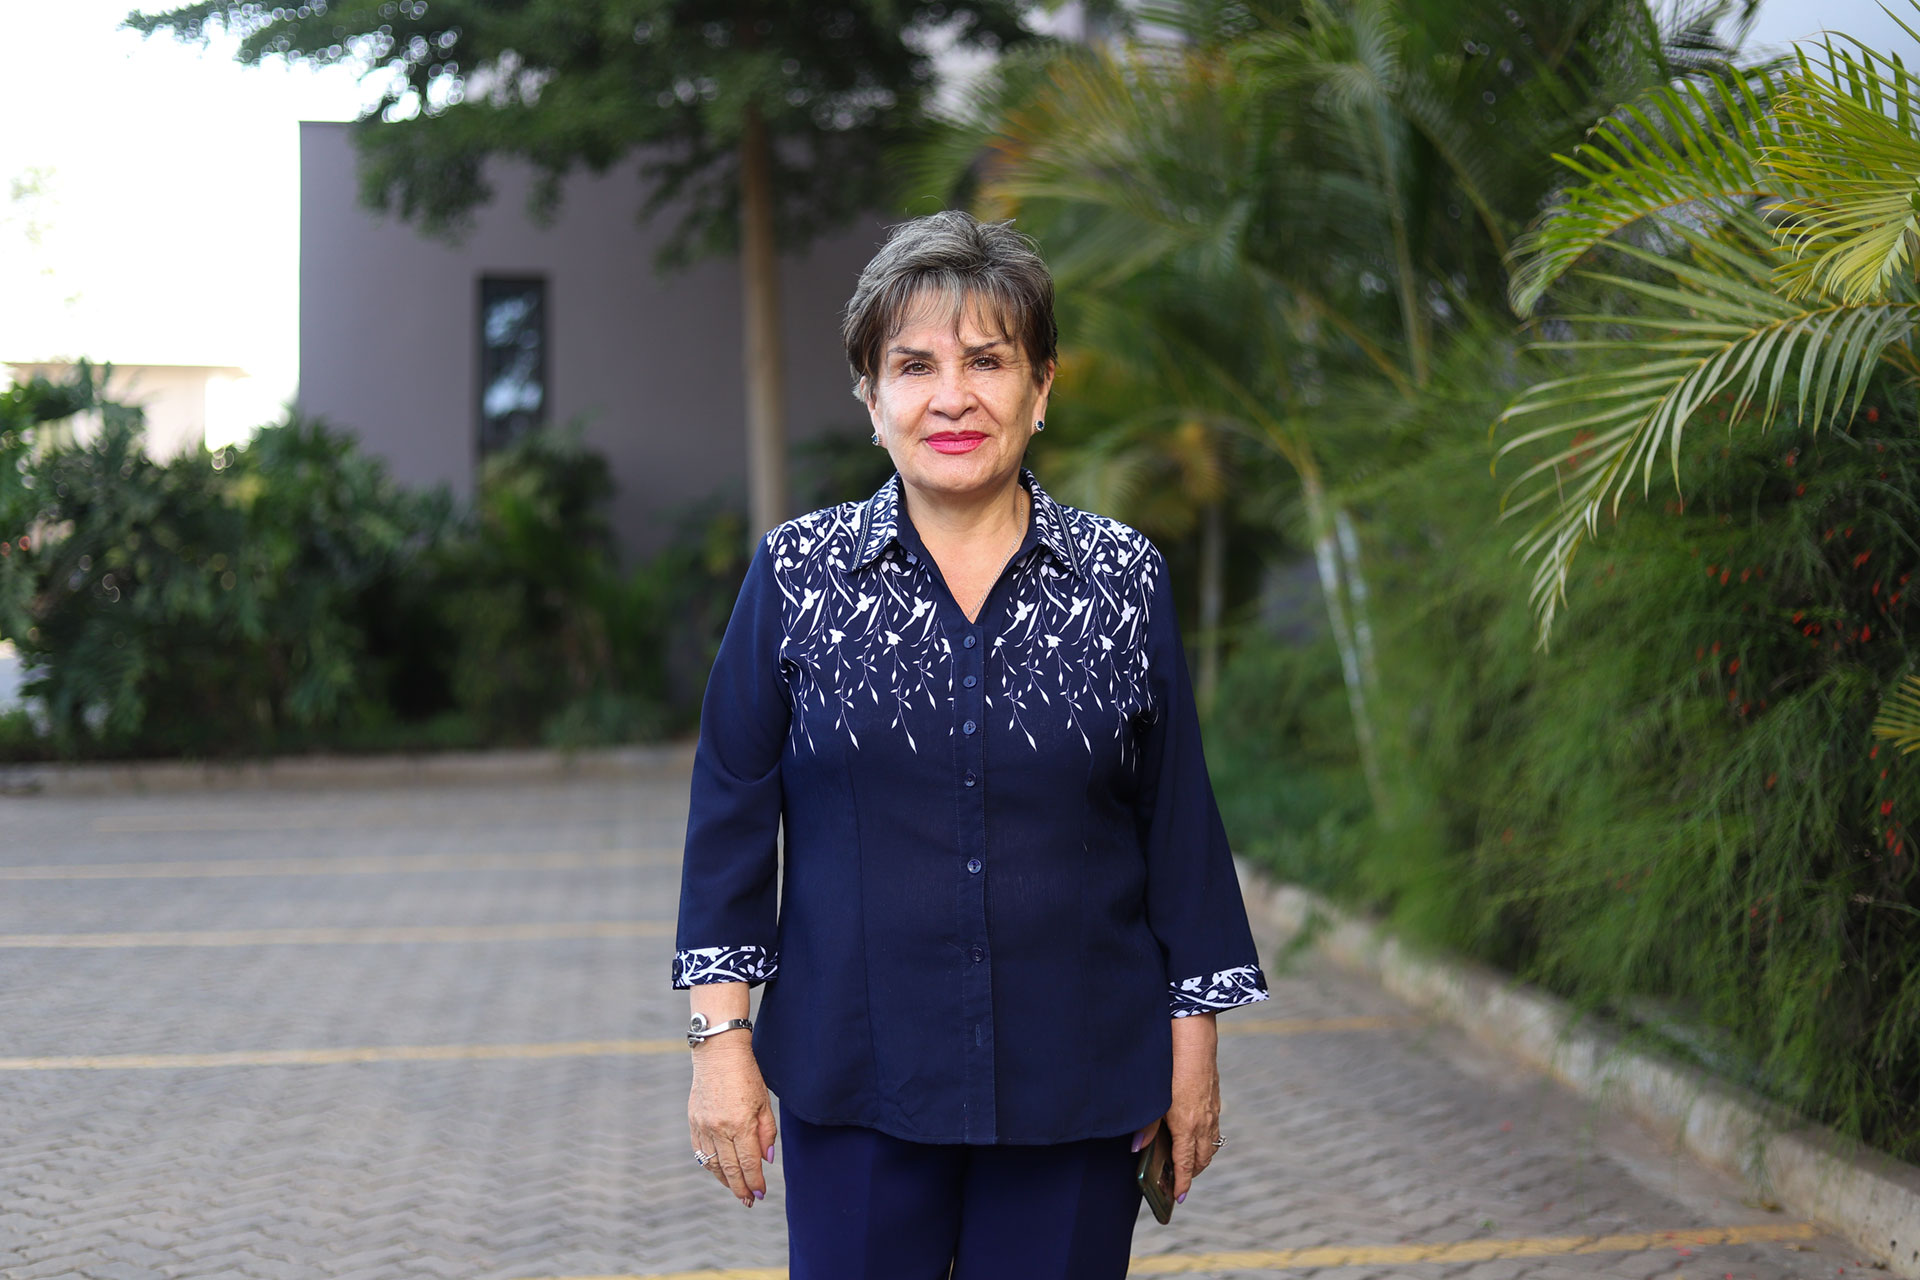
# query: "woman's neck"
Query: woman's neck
953,521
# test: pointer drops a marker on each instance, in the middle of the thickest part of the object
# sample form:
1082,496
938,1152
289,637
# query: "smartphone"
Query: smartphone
1155,1174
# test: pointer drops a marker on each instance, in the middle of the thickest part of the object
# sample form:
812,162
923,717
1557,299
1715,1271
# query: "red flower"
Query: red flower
1733,667
1886,807
1799,614
1862,557
1875,753
1866,634
1724,575
1716,648
1771,779
1873,415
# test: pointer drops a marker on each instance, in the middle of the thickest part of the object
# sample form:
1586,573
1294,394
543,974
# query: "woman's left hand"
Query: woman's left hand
1194,1118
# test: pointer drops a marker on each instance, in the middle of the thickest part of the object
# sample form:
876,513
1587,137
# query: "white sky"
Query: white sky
169,233
169,229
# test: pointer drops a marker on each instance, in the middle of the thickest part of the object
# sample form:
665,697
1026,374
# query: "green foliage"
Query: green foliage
1680,814
669,84
289,595
1282,755
1777,217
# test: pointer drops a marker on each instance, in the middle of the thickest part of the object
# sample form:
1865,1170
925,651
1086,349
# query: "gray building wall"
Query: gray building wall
389,347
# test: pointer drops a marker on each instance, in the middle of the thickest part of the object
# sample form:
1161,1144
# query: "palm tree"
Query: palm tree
1283,199
1765,227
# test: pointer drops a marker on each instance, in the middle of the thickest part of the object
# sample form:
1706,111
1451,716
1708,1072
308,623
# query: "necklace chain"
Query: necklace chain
1020,536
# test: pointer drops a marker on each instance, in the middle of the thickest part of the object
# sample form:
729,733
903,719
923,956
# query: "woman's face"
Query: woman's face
954,404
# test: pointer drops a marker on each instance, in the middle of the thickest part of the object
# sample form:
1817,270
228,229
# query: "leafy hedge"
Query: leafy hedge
290,596
1677,815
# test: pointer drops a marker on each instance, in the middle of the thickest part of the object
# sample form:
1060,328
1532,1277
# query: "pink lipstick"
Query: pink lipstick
957,441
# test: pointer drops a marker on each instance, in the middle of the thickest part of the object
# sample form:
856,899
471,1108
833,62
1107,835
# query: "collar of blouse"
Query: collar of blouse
880,524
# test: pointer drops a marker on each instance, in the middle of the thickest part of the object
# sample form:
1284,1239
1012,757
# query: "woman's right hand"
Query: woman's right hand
729,1112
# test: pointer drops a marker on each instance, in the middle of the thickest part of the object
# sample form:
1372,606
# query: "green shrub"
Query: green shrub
1678,815
290,596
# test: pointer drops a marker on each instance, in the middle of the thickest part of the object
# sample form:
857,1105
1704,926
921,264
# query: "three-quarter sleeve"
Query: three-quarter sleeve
729,876
1194,905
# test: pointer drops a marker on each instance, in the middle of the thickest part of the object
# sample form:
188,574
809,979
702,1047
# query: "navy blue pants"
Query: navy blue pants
862,1205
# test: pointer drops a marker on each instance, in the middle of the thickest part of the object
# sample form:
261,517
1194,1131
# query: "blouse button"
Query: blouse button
970,779
973,865
977,954
970,641
969,682
968,727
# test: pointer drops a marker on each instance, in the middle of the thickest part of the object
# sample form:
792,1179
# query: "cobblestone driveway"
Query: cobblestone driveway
428,1032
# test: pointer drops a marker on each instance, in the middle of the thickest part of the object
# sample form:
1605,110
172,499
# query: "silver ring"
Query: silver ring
1219,1142
705,1158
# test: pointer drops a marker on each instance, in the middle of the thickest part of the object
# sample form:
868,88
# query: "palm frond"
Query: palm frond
1719,328
1899,718
1850,148
1689,147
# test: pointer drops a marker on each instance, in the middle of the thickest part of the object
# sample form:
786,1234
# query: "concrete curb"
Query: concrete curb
1867,1198
147,776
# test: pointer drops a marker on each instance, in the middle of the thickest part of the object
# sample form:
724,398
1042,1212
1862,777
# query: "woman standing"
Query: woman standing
1008,913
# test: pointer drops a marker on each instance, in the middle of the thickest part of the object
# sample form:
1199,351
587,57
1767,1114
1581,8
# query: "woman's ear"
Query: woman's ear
1046,390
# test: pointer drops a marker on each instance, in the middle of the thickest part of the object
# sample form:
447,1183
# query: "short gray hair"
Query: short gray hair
952,254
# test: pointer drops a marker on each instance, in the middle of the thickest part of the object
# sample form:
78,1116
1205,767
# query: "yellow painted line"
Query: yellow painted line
399,864
1173,1264
1465,1250
469,1052
338,1057
224,819
1231,1026
541,932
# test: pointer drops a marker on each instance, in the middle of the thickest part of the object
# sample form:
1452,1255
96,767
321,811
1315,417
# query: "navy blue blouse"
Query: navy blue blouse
1004,871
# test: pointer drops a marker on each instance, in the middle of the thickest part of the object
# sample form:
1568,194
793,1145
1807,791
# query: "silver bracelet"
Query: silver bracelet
699,1030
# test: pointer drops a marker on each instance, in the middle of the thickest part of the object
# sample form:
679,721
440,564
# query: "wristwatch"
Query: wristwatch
698,1030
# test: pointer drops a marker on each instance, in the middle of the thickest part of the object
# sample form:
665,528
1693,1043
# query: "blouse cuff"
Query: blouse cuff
1223,990
723,964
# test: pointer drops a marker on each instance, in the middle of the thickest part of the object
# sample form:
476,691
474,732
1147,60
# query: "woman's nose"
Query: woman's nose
951,393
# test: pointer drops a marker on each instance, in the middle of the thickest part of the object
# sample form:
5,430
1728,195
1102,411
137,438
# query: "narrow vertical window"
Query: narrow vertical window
513,359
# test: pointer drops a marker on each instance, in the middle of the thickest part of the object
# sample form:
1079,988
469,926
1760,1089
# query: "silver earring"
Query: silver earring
1039,424
876,437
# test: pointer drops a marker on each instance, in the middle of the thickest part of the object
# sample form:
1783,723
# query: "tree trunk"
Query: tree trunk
1213,573
1412,314
1357,593
765,360
1326,558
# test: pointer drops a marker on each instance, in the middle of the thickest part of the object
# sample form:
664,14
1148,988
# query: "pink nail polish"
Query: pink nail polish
769,1153
759,1195
1181,1198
